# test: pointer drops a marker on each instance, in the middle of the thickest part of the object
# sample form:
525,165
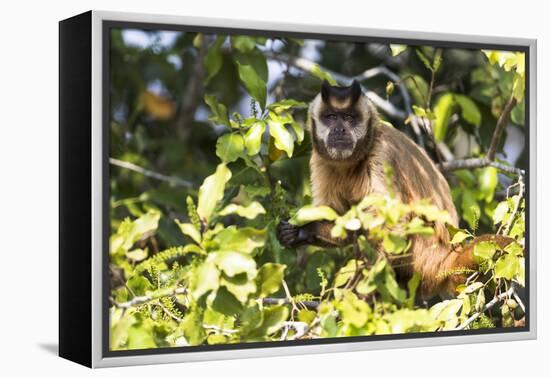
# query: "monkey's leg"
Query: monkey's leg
314,233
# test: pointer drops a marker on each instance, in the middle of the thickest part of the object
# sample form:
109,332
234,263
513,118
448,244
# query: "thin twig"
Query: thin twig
488,306
284,301
148,173
137,301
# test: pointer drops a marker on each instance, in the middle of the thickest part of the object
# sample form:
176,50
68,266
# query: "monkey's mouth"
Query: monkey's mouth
340,142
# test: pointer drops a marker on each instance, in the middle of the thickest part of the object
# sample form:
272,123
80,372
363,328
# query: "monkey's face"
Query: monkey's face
339,118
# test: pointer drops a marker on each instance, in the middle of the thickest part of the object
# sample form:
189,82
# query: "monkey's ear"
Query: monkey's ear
325,90
355,91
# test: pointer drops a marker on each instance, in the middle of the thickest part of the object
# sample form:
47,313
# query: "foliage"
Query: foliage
200,264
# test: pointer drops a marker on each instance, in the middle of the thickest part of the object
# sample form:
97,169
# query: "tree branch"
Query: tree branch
193,93
454,165
383,70
158,176
499,128
308,66
489,160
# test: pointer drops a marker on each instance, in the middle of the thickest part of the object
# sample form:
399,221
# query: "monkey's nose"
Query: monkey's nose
340,129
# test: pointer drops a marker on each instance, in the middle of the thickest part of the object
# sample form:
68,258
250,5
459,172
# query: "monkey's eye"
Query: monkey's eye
331,116
348,117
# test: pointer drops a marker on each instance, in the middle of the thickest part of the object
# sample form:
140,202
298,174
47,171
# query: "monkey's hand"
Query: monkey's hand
291,236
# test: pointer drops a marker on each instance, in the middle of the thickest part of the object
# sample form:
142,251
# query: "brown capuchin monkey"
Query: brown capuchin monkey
351,146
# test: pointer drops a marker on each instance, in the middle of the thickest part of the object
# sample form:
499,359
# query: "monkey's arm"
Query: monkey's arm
314,233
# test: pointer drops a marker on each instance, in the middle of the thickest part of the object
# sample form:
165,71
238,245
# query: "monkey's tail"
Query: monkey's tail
460,261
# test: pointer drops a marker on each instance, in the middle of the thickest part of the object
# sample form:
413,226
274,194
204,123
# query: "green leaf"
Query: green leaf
205,278
250,212
219,111
412,286
192,328
225,302
354,310
240,286
253,138
423,59
488,181
460,236
269,279
233,263
507,266
129,232
442,110
470,208
282,138
273,320
514,248
345,273
298,130
446,312
319,73
140,336
243,240
397,49
393,288
518,88
310,213
243,43
252,69
230,147
470,111
286,104
214,59
484,250
394,244
211,191
137,254
139,285
307,316
190,230
251,318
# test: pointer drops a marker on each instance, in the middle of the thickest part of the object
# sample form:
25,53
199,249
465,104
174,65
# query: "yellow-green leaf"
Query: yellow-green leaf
310,213
211,191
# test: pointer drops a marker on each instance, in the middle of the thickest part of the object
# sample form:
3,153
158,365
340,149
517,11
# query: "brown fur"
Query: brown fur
341,183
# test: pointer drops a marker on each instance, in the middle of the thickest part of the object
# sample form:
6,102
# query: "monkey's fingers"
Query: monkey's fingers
287,234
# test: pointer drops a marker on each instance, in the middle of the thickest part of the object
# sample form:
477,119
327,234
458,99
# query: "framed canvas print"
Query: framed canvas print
235,189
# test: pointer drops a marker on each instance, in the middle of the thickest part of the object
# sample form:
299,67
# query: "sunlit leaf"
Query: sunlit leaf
484,250
269,279
470,111
507,266
214,59
230,147
190,230
252,69
282,138
253,138
442,110
250,212
310,213
211,191
233,263
219,111
397,49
